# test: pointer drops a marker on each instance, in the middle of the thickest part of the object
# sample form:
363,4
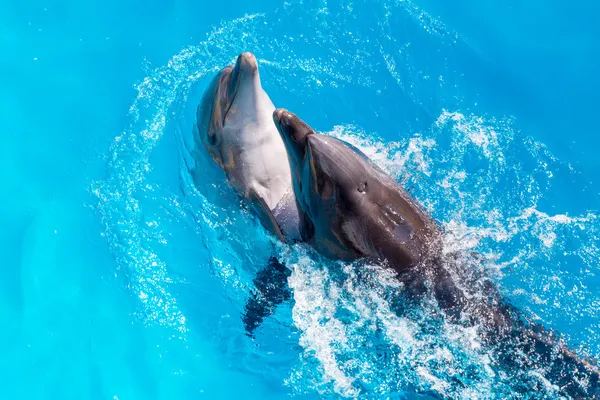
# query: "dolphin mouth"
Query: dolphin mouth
292,127
245,66
234,83
279,115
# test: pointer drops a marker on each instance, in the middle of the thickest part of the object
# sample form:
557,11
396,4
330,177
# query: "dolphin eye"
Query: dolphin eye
325,188
211,137
362,187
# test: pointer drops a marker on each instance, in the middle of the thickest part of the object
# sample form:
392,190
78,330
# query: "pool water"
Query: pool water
127,260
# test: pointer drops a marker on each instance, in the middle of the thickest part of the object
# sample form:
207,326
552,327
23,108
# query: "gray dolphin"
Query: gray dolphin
342,195
235,124
349,209
235,121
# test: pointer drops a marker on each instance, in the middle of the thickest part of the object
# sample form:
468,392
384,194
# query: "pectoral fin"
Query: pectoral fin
264,212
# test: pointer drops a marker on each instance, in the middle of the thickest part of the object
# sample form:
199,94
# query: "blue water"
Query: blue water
124,279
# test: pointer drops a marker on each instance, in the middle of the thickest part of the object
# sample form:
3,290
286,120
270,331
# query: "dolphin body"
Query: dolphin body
351,209
235,125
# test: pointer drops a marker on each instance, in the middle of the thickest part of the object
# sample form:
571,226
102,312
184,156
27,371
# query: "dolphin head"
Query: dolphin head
294,133
325,167
234,98
350,206
330,182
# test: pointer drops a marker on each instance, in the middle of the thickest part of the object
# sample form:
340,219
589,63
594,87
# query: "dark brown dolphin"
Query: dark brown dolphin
350,209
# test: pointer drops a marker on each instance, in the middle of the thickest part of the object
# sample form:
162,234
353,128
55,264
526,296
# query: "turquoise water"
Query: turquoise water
122,279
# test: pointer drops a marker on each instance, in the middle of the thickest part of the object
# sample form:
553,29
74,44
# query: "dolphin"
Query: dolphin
235,125
351,209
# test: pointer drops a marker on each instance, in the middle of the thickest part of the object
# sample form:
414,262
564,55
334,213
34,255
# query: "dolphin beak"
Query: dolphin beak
247,63
245,67
279,116
292,127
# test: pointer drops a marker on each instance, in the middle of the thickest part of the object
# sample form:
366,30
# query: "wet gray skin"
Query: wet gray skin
350,209
235,125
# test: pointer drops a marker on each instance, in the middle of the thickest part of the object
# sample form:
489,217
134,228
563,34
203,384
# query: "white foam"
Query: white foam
505,223
473,213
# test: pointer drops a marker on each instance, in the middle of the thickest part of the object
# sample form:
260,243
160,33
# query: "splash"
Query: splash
163,94
457,164
483,179
133,238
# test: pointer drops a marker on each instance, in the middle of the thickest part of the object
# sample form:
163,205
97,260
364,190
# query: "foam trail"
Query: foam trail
352,343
